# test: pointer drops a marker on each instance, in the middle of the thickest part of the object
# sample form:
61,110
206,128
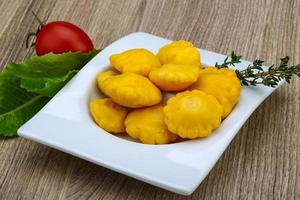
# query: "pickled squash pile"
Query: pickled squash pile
201,97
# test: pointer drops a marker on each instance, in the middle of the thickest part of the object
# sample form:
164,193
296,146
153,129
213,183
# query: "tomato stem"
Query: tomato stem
38,19
32,34
29,35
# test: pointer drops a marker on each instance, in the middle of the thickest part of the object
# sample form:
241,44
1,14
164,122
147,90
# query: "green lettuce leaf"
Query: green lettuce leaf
46,86
47,74
16,106
26,87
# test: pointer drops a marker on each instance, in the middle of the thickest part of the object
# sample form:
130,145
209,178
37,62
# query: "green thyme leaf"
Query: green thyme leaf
229,61
255,74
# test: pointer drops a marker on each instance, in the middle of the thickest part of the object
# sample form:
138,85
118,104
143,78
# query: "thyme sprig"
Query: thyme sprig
229,61
256,74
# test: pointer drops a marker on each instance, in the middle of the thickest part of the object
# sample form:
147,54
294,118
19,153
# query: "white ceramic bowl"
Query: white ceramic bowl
65,124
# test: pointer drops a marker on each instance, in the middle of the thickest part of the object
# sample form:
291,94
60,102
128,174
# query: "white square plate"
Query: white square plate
65,124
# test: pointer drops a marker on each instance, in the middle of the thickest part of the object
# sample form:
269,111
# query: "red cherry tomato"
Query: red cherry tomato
60,37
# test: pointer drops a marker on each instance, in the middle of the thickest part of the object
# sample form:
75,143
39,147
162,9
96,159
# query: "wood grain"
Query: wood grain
263,160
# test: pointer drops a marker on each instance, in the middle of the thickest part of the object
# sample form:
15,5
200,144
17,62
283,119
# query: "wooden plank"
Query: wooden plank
263,160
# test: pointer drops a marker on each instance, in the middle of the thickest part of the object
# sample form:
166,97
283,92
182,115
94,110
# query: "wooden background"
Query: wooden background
262,162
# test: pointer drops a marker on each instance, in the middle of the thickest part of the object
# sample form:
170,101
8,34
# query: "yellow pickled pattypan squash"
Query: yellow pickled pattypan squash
148,126
130,90
102,76
108,115
222,84
140,61
192,114
174,77
179,52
